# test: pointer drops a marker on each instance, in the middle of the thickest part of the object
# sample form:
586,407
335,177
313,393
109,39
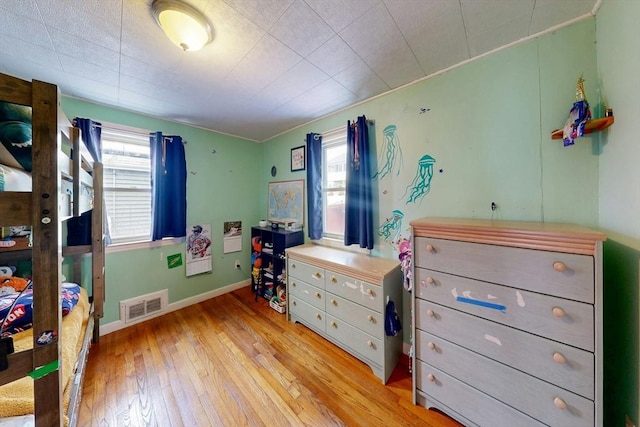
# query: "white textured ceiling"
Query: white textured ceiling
273,64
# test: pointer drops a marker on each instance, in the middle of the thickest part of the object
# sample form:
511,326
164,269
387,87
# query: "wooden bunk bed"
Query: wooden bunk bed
65,181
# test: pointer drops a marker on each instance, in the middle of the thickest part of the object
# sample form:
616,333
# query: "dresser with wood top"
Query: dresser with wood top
507,322
342,296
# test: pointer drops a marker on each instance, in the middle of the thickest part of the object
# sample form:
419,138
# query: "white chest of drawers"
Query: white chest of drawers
342,296
507,320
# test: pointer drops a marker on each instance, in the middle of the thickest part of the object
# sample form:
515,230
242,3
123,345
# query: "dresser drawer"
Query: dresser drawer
520,268
309,314
472,404
526,352
559,319
362,343
355,290
361,317
306,292
305,272
531,396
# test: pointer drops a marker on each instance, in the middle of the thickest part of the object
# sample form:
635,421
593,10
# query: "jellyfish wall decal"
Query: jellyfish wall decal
421,184
391,154
390,229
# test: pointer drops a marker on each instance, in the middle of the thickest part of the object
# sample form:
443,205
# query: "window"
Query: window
127,184
334,176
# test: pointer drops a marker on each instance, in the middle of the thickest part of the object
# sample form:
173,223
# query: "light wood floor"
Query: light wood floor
233,361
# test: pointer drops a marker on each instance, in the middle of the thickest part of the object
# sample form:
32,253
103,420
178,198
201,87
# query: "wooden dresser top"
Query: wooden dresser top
363,267
558,237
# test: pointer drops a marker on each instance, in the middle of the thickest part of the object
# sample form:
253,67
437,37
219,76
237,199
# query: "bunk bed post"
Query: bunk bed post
97,249
47,251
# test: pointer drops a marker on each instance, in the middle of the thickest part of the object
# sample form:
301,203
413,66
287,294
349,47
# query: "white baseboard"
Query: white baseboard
119,324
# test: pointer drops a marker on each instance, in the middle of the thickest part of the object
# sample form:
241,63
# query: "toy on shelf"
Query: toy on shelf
580,122
579,115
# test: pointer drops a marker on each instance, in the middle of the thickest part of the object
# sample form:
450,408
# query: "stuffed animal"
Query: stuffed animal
17,283
6,271
7,280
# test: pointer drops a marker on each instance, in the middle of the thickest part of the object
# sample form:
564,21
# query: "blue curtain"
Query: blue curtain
358,227
92,136
168,187
314,185
79,228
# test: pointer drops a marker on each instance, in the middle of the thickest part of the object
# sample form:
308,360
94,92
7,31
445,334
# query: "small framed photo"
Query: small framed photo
297,158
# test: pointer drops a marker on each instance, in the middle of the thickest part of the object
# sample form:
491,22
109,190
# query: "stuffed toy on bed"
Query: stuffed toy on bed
9,283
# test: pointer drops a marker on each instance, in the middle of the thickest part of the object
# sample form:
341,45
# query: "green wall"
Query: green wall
618,50
488,128
621,270
223,184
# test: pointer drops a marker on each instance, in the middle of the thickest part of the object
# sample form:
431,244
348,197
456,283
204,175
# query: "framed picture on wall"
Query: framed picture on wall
297,158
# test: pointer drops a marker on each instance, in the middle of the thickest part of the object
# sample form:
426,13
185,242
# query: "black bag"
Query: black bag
392,325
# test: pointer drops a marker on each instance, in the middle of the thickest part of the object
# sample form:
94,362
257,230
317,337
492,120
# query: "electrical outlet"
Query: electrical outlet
237,264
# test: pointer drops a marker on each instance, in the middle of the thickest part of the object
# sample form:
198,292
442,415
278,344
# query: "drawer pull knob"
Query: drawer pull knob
430,248
370,344
334,280
293,284
430,280
370,318
431,377
317,275
318,295
559,358
294,303
334,302
293,266
431,313
559,266
558,312
369,292
318,316
431,345
334,324
561,404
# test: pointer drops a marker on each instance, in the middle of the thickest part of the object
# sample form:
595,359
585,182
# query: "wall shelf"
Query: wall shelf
593,125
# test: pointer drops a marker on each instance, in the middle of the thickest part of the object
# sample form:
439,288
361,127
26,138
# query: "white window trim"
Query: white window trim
329,137
146,244
339,244
116,128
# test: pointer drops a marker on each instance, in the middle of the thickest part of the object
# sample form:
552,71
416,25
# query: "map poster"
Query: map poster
198,250
286,202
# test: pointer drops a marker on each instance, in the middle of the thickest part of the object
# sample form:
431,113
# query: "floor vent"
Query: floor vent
140,307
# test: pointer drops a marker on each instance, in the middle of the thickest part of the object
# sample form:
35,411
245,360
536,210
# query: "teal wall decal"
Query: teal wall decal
421,184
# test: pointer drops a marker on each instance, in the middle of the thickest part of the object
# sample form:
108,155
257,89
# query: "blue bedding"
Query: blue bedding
20,318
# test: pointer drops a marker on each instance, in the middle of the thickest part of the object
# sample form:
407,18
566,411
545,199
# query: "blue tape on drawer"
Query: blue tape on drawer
486,304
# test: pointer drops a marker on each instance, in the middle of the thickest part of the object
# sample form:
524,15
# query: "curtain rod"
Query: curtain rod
370,122
123,130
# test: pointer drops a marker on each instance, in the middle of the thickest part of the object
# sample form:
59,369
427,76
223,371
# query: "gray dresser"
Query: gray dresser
507,322
342,296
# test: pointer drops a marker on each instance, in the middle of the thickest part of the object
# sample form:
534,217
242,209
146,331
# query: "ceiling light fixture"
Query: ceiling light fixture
185,26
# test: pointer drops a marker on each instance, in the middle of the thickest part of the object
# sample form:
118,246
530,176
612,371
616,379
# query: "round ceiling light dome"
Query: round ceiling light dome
184,25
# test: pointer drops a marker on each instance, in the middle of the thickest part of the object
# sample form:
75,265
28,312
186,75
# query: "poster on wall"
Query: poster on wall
232,238
198,250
